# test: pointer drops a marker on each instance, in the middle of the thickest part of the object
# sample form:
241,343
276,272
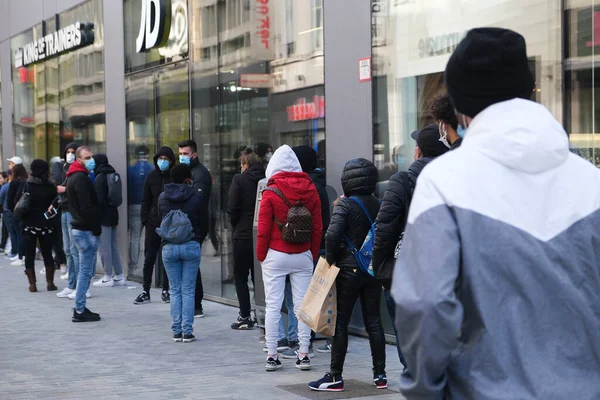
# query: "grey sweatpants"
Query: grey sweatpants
109,251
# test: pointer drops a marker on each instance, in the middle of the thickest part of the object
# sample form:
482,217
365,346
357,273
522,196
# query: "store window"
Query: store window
412,42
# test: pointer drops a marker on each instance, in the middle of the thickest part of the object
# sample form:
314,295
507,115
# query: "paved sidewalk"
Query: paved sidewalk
130,354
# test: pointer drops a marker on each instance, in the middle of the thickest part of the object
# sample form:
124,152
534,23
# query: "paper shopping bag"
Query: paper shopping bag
319,307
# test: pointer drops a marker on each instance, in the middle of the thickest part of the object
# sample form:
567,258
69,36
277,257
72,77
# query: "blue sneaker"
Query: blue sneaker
328,383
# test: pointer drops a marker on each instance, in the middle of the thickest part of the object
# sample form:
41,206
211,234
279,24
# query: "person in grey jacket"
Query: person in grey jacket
497,285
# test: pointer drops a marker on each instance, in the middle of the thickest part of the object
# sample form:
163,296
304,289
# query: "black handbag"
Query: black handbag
24,204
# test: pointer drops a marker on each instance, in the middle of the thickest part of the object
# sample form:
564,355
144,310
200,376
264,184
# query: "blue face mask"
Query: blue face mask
461,129
185,160
90,164
163,165
400,160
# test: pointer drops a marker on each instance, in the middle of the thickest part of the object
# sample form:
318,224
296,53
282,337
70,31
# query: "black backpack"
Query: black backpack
115,189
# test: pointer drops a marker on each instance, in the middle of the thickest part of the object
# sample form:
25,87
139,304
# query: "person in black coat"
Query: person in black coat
240,207
154,185
182,260
109,249
35,226
359,180
19,176
392,215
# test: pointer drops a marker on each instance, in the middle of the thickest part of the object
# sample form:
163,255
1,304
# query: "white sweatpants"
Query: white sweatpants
275,268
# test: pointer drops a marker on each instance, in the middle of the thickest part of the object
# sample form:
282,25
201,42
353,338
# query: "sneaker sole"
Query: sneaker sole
304,367
189,340
272,369
325,390
139,303
323,351
199,316
179,340
84,320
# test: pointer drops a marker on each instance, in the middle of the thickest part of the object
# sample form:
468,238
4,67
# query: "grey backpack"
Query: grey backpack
176,228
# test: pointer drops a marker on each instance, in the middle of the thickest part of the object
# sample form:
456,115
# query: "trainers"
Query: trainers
105,281
11,257
85,316
63,269
328,383
273,364
72,295
242,323
199,312
143,298
177,337
380,381
120,280
292,352
17,263
326,348
303,364
63,294
188,338
43,271
165,296
64,277
281,346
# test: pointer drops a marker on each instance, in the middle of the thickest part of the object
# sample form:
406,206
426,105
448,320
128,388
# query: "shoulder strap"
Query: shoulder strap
280,194
356,200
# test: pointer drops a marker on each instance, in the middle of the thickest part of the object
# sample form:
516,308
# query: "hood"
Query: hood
318,177
164,151
76,167
416,168
255,172
102,165
519,134
178,192
307,157
359,177
284,160
72,145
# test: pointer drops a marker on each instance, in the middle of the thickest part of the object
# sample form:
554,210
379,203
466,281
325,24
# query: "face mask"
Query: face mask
163,165
90,165
461,130
400,160
268,157
191,184
70,158
185,160
444,139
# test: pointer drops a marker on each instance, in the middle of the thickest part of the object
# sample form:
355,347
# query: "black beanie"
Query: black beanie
307,157
428,140
489,66
39,168
180,173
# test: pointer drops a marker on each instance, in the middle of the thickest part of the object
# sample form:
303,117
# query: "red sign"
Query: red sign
302,111
255,80
263,22
26,75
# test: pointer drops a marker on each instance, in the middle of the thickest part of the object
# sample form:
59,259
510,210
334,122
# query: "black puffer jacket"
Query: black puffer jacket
203,182
109,214
391,217
242,199
42,194
358,179
153,187
179,196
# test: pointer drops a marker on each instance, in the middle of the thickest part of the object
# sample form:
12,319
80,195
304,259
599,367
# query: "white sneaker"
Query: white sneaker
17,262
120,280
72,295
63,270
43,271
65,293
13,258
64,277
105,281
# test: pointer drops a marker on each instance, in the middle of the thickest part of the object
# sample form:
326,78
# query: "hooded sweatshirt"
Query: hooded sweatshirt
110,214
83,202
497,285
284,173
179,196
153,187
59,174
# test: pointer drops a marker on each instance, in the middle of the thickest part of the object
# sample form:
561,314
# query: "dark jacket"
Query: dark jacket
242,199
153,187
392,215
358,179
456,144
109,214
202,184
14,190
318,178
178,196
42,194
83,201
58,174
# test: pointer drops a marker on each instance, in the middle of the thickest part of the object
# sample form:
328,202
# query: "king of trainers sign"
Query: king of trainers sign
50,45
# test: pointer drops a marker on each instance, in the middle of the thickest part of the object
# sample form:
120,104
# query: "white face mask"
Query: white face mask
444,131
268,156
70,158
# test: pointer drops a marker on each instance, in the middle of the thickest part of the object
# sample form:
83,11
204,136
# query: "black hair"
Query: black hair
180,173
4,174
142,149
442,109
19,172
188,143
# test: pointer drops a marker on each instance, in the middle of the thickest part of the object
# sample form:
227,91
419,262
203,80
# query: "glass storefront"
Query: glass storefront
243,73
60,99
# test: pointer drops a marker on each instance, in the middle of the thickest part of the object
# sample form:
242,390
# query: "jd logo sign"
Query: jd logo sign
155,25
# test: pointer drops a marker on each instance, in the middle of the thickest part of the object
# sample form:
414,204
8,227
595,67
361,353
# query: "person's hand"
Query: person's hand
50,208
61,189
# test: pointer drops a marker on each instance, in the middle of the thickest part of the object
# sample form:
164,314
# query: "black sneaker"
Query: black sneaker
188,338
303,364
242,323
165,296
328,383
85,316
199,312
143,298
273,364
380,381
282,345
326,348
177,337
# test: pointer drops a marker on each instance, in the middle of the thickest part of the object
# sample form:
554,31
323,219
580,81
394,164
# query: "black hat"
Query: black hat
307,157
39,168
428,140
489,66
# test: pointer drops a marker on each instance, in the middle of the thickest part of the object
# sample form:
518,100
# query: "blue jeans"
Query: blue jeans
391,306
181,262
288,300
14,232
71,252
87,245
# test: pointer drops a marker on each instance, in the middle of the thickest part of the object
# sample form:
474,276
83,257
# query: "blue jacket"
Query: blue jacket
4,196
136,175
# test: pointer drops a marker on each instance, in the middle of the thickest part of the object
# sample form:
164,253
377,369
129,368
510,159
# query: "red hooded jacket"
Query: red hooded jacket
284,172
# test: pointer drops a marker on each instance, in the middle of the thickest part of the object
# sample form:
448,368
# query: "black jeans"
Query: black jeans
60,258
243,263
4,235
152,251
199,296
351,285
46,243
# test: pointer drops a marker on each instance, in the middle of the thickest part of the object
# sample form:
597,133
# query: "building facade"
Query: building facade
351,78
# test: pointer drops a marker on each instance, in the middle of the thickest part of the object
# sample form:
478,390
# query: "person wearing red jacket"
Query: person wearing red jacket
280,258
